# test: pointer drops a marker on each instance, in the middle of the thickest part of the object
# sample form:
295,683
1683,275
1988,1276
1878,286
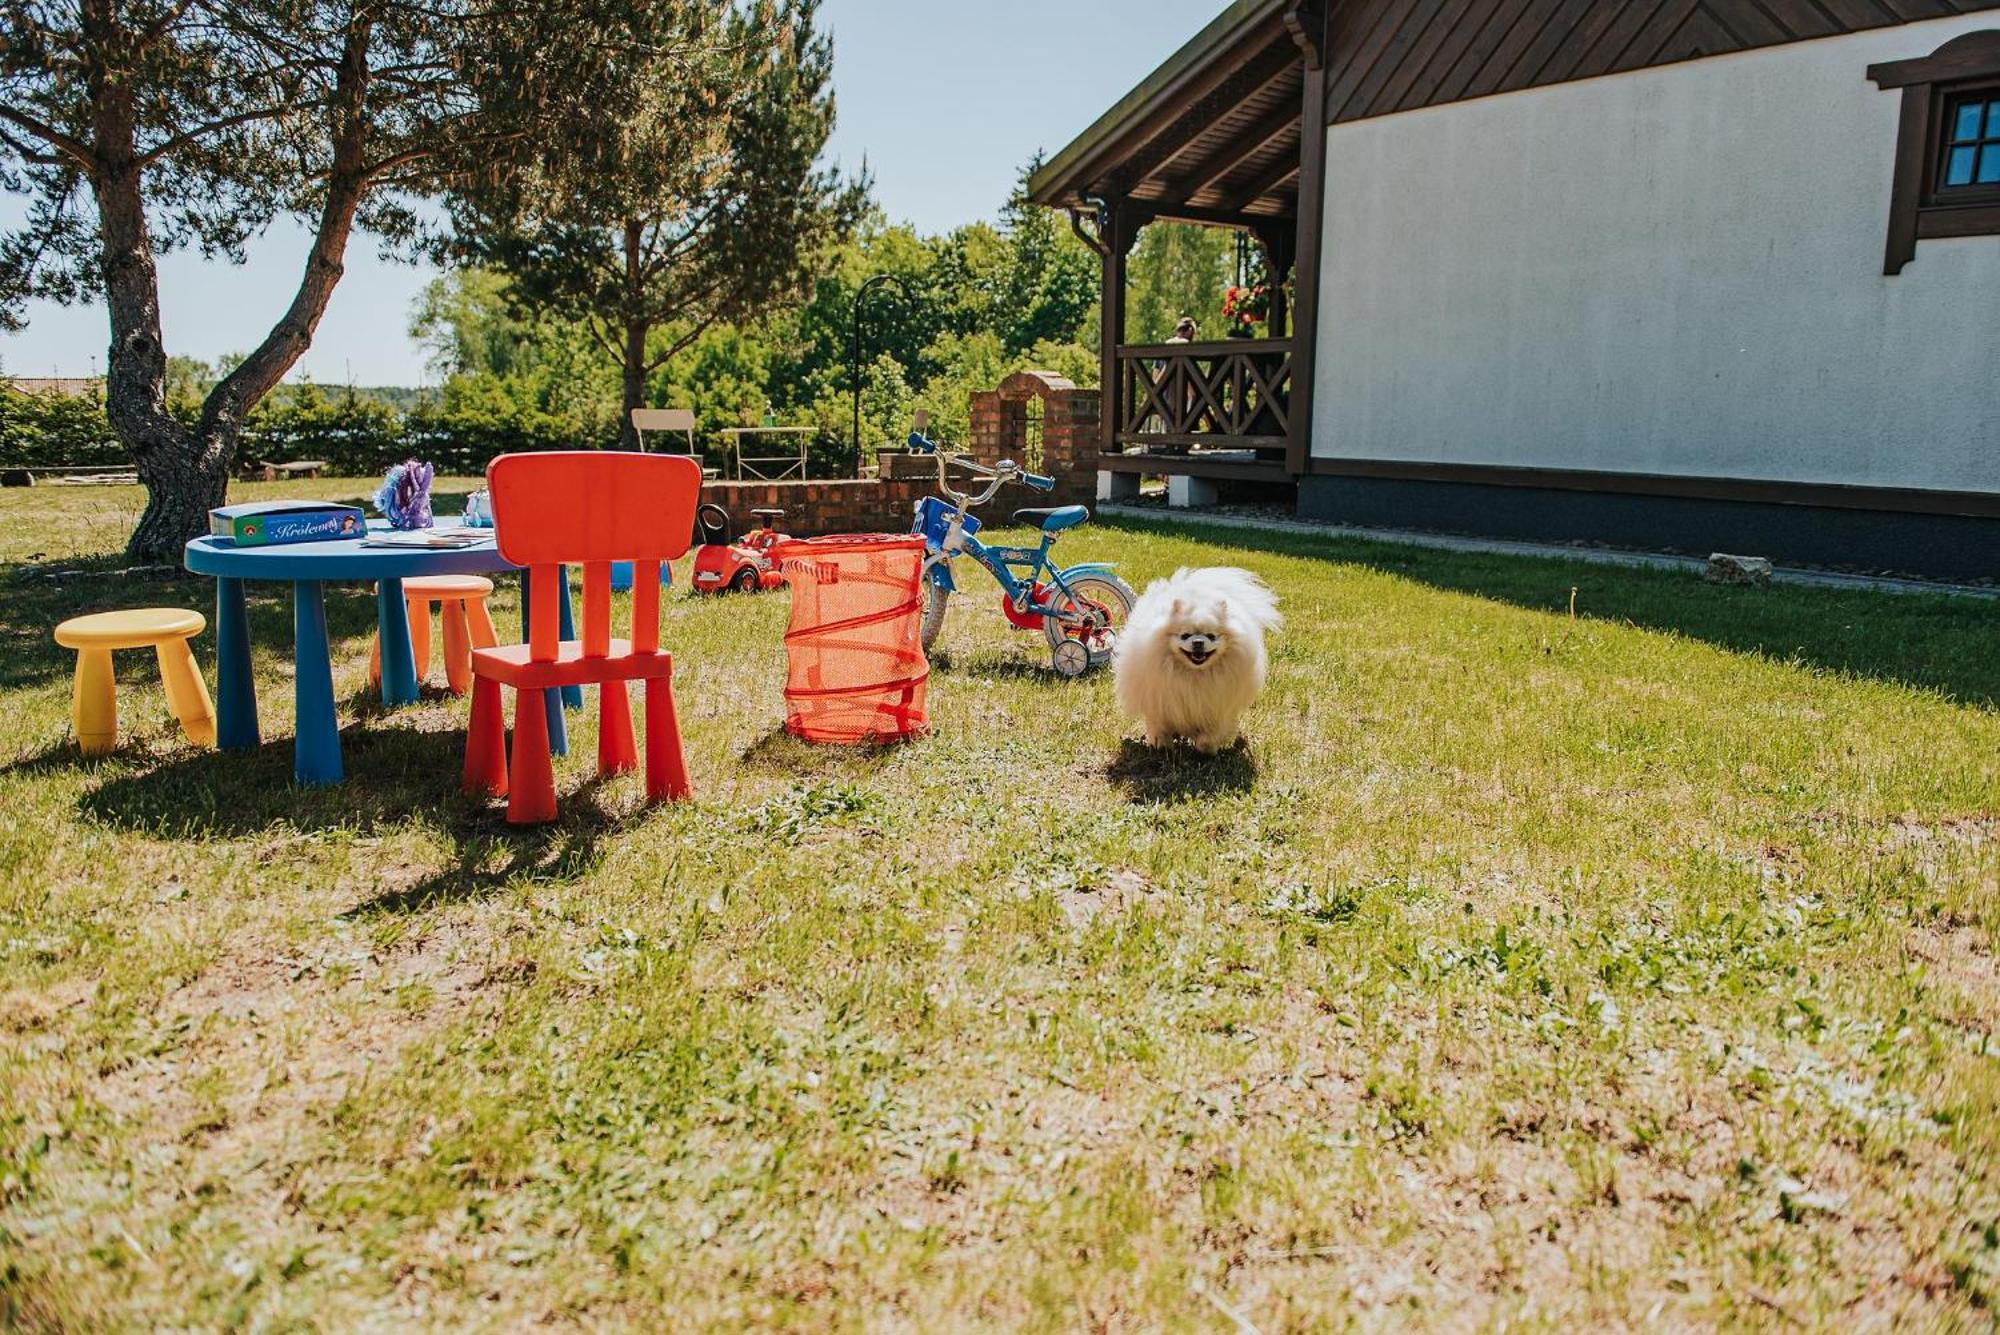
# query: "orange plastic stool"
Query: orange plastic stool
587,508
858,675
166,630
467,626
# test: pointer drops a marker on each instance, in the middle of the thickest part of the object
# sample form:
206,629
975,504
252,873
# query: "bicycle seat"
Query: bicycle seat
1054,521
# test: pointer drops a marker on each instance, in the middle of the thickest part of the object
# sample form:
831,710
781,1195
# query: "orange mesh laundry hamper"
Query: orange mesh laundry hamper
858,672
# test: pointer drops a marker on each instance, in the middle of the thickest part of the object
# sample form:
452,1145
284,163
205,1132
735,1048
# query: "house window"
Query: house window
1971,141
1947,180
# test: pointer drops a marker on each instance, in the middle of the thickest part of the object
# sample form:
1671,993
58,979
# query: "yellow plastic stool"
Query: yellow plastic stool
94,713
467,626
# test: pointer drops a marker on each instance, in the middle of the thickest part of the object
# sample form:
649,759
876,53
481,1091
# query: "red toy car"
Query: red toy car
744,566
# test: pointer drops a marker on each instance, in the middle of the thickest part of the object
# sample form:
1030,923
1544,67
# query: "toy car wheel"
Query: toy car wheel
1072,658
746,581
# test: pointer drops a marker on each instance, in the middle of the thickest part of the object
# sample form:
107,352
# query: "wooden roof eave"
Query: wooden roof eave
1236,36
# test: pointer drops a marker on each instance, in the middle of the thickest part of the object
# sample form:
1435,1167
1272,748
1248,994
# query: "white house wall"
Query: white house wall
1677,271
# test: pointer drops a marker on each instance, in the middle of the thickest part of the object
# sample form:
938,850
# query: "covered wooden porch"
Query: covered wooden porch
1230,132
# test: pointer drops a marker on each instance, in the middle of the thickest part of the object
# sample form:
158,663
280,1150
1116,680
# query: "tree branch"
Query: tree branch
29,154
394,162
182,140
73,149
288,340
685,342
595,324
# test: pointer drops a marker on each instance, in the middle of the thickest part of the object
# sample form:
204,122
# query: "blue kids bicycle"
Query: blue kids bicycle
1080,608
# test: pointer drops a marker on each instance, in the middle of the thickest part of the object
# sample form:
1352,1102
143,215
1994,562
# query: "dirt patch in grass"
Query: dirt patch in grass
228,1099
1962,956
1082,905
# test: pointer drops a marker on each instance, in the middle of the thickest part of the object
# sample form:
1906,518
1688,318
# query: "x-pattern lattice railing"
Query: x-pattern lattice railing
1206,394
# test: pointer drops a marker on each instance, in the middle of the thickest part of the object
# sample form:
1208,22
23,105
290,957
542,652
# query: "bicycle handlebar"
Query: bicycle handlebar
1000,474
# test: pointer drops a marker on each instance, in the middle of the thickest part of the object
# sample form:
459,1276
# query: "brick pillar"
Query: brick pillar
988,442
1070,443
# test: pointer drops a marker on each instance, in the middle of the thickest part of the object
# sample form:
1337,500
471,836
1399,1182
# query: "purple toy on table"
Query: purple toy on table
405,496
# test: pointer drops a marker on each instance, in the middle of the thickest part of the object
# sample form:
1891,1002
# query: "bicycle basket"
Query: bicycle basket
934,520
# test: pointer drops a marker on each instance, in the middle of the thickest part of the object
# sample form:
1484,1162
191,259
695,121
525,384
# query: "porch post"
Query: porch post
1121,231
1312,218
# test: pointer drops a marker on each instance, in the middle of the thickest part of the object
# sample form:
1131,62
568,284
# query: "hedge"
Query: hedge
354,436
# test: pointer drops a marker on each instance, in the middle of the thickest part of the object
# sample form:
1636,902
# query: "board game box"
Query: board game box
270,523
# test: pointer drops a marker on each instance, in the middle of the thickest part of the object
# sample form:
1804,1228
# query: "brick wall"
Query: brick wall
815,509
1067,451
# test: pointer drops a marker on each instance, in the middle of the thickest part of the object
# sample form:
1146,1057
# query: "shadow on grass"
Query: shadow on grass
1002,666
35,598
1159,776
1941,643
496,855
778,752
391,772
393,775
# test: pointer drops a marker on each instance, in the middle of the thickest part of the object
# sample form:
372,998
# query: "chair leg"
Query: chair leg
94,705
187,694
420,637
617,753
457,648
486,741
375,662
531,796
666,762
481,622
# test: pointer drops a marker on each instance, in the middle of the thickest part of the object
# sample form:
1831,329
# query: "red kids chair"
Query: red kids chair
588,509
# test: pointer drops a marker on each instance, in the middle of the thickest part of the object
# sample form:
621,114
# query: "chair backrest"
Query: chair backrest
664,419
590,508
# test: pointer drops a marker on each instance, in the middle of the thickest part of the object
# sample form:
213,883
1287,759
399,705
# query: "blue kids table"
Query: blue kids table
307,567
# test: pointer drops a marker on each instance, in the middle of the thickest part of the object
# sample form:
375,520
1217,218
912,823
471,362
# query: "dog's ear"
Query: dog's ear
1222,610
1178,610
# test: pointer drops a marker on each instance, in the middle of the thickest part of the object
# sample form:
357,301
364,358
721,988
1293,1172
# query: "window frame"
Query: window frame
1921,206
1950,98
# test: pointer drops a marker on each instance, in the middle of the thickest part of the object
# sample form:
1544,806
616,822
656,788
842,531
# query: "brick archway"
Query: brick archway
1046,424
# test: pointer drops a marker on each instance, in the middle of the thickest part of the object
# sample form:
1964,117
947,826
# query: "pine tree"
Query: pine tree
695,200
140,126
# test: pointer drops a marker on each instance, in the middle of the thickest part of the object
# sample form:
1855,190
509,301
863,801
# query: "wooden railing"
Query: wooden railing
1234,394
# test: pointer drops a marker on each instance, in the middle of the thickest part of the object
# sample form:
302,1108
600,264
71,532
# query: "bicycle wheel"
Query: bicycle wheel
1098,608
937,601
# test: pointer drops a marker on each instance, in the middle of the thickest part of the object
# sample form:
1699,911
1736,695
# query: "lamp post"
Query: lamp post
868,289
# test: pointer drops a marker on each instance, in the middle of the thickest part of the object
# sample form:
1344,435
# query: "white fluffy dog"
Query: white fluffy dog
1191,659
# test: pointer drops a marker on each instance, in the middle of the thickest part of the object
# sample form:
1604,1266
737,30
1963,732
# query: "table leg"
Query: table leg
235,689
316,750
552,701
572,696
399,662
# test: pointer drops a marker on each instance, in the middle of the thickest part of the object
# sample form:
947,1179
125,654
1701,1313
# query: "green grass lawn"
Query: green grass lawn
1525,969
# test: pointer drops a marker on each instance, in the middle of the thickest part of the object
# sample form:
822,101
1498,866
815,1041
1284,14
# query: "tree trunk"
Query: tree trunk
186,471
182,481
635,335
185,476
635,383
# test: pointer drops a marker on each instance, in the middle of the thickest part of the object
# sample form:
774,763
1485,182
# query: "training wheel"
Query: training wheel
1072,658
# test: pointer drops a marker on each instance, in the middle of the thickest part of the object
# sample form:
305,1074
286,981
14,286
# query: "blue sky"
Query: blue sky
946,99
